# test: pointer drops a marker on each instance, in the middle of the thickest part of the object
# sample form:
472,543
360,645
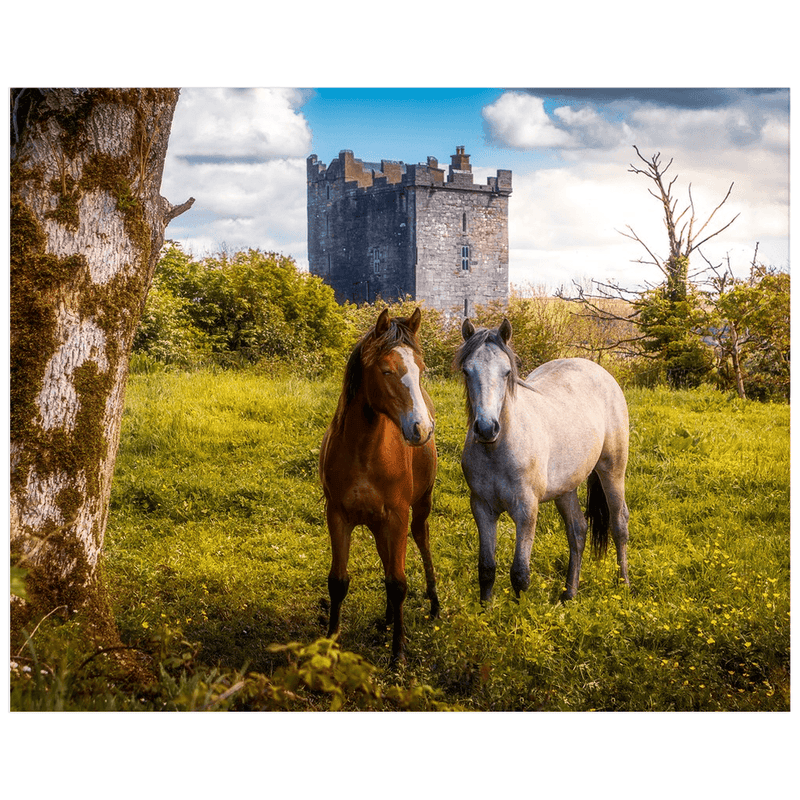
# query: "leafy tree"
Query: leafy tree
669,325
167,331
749,321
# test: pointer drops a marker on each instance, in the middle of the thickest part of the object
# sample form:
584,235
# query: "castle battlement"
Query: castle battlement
390,229
354,174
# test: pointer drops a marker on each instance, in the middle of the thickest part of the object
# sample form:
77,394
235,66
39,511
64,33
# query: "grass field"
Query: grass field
217,540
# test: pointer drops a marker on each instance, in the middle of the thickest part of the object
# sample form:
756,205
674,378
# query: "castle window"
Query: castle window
329,191
466,307
465,258
464,223
376,261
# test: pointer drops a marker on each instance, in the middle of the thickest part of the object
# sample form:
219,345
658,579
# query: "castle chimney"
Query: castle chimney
460,160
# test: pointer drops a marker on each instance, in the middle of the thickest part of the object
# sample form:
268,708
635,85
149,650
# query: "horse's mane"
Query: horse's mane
479,338
367,351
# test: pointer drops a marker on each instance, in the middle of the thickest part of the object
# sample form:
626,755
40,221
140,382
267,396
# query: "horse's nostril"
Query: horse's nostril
486,430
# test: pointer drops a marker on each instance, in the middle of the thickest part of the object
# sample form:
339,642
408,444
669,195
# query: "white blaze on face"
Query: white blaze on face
417,424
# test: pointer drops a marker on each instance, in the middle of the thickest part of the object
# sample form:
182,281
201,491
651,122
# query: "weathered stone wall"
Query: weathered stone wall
448,220
392,229
358,229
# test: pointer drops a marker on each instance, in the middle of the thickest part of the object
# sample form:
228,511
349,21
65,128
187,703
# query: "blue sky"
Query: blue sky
241,153
412,123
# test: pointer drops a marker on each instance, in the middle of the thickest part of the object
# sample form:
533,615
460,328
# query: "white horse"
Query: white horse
537,440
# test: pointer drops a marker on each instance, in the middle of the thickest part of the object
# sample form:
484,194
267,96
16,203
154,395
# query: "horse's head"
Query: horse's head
489,367
392,369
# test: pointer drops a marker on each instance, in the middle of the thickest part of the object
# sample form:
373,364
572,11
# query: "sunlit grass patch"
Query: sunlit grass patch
217,529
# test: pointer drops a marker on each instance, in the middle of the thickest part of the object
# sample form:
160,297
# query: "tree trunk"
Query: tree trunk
737,364
87,224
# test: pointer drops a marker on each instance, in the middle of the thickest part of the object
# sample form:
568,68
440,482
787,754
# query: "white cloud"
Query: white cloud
240,123
589,129
241,154
728,129
564,221
519,120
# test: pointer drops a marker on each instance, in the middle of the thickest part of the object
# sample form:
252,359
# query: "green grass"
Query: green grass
217,538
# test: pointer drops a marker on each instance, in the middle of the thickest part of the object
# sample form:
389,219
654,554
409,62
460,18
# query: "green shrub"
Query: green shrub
244,308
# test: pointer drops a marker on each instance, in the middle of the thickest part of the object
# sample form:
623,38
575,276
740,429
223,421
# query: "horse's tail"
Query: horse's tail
597,514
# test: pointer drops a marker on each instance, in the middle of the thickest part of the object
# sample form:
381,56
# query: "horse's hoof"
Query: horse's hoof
398,660
565,595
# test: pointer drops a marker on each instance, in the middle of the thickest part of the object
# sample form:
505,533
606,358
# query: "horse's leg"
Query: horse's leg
575,522
524,516
391,538
486,520
613,483
338,578
382,544
419,530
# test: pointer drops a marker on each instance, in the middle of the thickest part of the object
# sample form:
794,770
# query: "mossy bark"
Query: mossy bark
87,224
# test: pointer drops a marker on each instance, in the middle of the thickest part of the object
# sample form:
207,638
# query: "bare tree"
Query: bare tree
684,234
640,311
87,224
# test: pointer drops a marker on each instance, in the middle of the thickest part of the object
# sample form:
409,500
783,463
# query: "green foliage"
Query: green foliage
670,321
244,307
166,332
254,307
323,669
57,674
757,313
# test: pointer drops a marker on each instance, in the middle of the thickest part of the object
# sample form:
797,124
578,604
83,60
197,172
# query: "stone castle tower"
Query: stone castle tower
391,229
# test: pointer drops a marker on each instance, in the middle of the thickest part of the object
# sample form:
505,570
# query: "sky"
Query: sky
242,154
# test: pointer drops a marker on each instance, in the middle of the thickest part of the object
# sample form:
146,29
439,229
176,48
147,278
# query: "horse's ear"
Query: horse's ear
414,320
382,325
467,328
505,331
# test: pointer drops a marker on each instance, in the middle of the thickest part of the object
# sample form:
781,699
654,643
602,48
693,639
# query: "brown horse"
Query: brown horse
378,463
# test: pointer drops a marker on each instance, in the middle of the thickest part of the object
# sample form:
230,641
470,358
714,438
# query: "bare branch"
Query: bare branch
753,265
176,211
691,244
711,236
656,260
